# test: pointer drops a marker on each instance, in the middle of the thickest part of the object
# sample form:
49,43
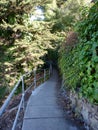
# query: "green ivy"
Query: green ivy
80,65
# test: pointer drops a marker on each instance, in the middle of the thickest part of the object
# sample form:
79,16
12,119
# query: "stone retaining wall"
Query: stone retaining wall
88,111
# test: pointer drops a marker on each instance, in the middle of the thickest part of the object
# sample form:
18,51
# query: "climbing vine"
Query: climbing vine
79,64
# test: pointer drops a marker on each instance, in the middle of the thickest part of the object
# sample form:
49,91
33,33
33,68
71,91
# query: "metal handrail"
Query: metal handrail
16,118
2,109
6,103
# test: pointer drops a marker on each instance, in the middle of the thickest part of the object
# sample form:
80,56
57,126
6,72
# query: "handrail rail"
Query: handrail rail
2,109
21,79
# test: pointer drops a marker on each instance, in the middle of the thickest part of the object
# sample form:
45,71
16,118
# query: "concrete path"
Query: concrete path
43,112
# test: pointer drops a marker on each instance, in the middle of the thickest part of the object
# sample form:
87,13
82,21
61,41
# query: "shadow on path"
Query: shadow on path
43,111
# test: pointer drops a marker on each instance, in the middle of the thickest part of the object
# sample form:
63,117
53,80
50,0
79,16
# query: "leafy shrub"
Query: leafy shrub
68,62
79,64
88,54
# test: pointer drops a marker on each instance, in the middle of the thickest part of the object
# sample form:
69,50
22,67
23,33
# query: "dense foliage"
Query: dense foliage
79,60
24,41
28,39
30,34
88,31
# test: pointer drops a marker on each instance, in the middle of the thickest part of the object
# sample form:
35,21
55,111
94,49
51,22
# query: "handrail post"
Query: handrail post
23,91
44,75
50,70
34,79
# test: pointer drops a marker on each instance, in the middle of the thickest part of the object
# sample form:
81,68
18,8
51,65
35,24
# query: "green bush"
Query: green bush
79,64
88,54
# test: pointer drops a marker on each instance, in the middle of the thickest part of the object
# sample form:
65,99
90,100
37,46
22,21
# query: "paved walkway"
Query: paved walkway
43,112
